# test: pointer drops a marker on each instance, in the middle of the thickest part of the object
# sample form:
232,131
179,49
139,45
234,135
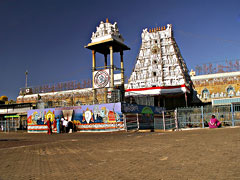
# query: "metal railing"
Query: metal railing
191,117
159,122
131,122
165,121
235,114
9,125
228,115
84,98
55,87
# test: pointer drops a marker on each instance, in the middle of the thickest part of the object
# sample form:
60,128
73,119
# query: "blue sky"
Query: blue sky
47,37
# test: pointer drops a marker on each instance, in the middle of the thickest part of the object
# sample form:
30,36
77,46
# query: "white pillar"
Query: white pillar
112,66
93,69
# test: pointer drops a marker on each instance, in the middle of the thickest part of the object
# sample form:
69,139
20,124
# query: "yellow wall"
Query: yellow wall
217,85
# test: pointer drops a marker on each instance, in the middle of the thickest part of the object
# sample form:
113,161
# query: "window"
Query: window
154,74
230,91
236,107
205,93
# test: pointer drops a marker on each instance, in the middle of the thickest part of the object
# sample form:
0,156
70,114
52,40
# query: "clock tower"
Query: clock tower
106,41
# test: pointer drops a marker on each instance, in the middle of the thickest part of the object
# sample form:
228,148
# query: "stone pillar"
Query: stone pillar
93,69
122,68
112,66
105,67
122,77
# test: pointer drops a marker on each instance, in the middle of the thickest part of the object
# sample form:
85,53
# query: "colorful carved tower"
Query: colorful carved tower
160,70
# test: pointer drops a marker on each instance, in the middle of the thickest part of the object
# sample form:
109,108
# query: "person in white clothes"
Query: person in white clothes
65,125
61,125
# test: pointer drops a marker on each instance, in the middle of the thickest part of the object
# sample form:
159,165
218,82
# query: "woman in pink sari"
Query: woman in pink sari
214,123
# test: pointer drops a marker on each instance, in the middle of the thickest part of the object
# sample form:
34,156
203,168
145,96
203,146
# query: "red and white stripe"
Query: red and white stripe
161,90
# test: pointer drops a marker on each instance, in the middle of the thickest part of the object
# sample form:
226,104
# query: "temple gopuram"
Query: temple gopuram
160,71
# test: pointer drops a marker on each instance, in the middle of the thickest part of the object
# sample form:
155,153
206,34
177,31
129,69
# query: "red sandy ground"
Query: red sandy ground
194,154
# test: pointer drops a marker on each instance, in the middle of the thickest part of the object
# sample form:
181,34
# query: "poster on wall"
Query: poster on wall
101,78
67,114
98,117
142,109
37,119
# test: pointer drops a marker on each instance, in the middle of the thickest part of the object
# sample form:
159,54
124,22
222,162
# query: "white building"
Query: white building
160,69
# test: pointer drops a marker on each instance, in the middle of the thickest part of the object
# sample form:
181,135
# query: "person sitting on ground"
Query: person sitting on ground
214,123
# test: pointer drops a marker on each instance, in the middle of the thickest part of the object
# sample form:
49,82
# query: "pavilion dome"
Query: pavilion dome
3,98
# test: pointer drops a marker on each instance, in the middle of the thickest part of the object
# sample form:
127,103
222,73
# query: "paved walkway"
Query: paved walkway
199,154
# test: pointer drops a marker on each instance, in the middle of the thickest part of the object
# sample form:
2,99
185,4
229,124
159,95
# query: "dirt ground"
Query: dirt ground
192,154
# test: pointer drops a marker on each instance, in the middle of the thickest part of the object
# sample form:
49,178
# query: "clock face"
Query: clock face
101,79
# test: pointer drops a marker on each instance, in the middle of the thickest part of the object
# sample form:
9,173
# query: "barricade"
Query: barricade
9,125
189,117
165,121
228,115
131,122
236,114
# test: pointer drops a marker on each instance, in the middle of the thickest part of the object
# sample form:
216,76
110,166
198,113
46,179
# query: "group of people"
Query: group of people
62,125
66,126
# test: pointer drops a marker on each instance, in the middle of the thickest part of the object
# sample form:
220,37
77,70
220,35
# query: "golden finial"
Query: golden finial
164,27
107,20
192,73
150,30
154,29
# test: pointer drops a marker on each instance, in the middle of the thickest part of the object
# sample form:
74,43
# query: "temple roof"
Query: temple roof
107,35
160,68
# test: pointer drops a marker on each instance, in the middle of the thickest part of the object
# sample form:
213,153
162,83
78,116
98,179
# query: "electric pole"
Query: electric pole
26,77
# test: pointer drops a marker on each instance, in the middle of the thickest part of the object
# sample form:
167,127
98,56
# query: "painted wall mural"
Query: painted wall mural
98,117
37,119
102,117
